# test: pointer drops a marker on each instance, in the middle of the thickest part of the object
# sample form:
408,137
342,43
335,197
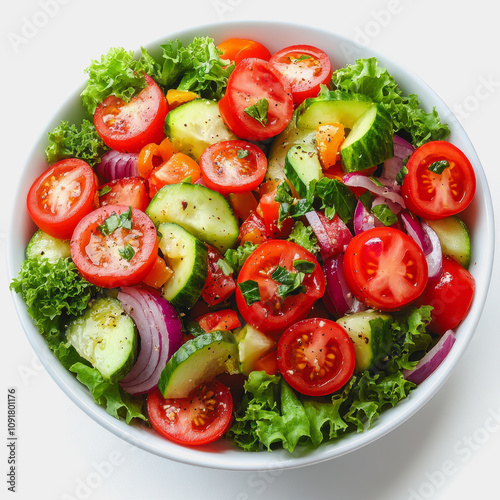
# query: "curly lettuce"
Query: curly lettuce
367,77
116,73
196,67
71,141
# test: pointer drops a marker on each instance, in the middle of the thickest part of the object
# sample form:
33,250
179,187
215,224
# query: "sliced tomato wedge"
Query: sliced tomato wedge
237,49
201,418
385,268
450,297
110,253
225,319
233,166
218,287
61,196
253,230
305,67
268,363
129,126
316,356
269,308
131,191
258,102
440,181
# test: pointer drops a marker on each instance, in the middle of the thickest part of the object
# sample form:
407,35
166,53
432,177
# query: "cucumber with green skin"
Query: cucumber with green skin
201,211
187,256
302,166
454,236
281,145
195,125
106,337
199,361
370,138
44,246
370,332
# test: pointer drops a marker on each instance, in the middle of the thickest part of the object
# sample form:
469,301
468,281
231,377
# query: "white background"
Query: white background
448,450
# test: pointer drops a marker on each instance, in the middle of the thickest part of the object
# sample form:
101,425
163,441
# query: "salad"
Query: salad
261,247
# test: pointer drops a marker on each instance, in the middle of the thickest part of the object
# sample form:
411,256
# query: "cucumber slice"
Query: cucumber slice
201,211
370,140
280,146
454,236
302,165
43,246
335,107
106,337
195,125
198,361
252,345
371,334
187,256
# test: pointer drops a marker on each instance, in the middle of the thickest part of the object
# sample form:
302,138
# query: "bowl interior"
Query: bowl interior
479,217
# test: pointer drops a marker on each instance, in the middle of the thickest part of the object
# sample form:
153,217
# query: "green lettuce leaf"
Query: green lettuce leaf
116,73
304,236
117,402
54,293
196,67
71,141
367,77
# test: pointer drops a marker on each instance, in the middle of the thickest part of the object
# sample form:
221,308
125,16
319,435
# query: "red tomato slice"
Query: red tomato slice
316,356
434,195
201,418
129,126
233,166
225,319
305,67
130,191
253,230
268,363
252,82
273,313
385,268
237,49
451,296
269,208
123,257
61,196
218,287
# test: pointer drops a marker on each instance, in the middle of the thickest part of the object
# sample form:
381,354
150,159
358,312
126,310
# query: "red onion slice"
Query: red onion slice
364,220
402,148
432,359
357,180
435,257
115,165
159,317
416,231
339,299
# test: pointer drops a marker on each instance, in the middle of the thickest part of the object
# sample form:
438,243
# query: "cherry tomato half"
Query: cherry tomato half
273,313
131,191
233,166
237,49
225,319
385,268
201,418
258,102
316,356
116,257
305,67
61,196
450,296
438,194
129,126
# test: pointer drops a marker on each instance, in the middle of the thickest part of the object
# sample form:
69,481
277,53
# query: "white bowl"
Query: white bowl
223,455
